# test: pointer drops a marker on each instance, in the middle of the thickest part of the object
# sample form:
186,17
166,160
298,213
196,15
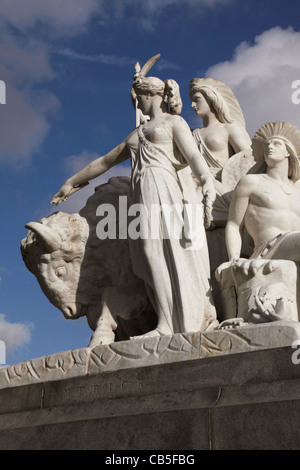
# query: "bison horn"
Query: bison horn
50,239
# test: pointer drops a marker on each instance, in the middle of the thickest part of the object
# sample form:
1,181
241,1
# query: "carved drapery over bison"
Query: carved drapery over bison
83,275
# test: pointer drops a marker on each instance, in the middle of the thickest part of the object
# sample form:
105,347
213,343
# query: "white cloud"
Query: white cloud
69,17
99,58
113,60
25,59
26,29
146,13
22,130
154,6
64,17
14,335
24,66
261,76
74,163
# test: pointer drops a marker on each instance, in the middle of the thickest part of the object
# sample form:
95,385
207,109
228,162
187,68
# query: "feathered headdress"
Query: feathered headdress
222,97
141,73
282,130
138,80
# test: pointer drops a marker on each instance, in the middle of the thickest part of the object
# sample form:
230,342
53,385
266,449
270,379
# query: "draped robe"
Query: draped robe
176,278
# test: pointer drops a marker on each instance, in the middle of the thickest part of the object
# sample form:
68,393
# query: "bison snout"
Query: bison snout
72,311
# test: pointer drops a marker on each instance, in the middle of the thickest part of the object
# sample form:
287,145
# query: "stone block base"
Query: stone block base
239,400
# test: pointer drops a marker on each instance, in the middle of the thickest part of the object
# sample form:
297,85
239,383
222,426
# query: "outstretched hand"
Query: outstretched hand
65,191
63,194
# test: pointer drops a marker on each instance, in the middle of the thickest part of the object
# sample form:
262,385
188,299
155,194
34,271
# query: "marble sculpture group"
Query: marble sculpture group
244,271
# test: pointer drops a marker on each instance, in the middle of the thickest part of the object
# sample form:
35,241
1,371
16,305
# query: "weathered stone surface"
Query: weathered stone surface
260,426
80,267
153,431
265,204
249,338
233,401
145,352
54,367
19,399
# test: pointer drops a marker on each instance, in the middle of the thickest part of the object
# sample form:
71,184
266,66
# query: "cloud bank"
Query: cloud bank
24,67
145,15
63,18
26,31
260,73
14,335
261,76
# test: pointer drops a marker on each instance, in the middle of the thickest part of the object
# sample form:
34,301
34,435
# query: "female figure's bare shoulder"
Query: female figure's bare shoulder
131,138
177,122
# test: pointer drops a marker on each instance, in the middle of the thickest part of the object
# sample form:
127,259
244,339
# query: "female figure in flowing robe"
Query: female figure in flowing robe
222,137
226,147
176,278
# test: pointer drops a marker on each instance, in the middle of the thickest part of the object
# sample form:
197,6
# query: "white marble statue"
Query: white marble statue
226,146
267,203
176,279
84,275
222,140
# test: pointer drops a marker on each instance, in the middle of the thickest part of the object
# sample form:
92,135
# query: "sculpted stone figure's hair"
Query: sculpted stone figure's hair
168,90
220,98
289,134
172,96
151,85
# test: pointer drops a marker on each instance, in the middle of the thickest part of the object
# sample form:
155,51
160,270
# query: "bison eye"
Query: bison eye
60,272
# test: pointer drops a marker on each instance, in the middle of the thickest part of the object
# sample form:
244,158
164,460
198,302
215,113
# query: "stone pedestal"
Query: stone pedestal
232,389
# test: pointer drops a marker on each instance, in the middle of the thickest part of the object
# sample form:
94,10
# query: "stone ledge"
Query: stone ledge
149,351
126,408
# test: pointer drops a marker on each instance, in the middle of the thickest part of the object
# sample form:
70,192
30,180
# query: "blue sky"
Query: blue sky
68,68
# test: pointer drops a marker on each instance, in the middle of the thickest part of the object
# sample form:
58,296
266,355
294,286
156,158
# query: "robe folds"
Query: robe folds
176,278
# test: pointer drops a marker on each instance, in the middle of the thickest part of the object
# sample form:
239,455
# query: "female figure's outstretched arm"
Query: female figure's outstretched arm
94,169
